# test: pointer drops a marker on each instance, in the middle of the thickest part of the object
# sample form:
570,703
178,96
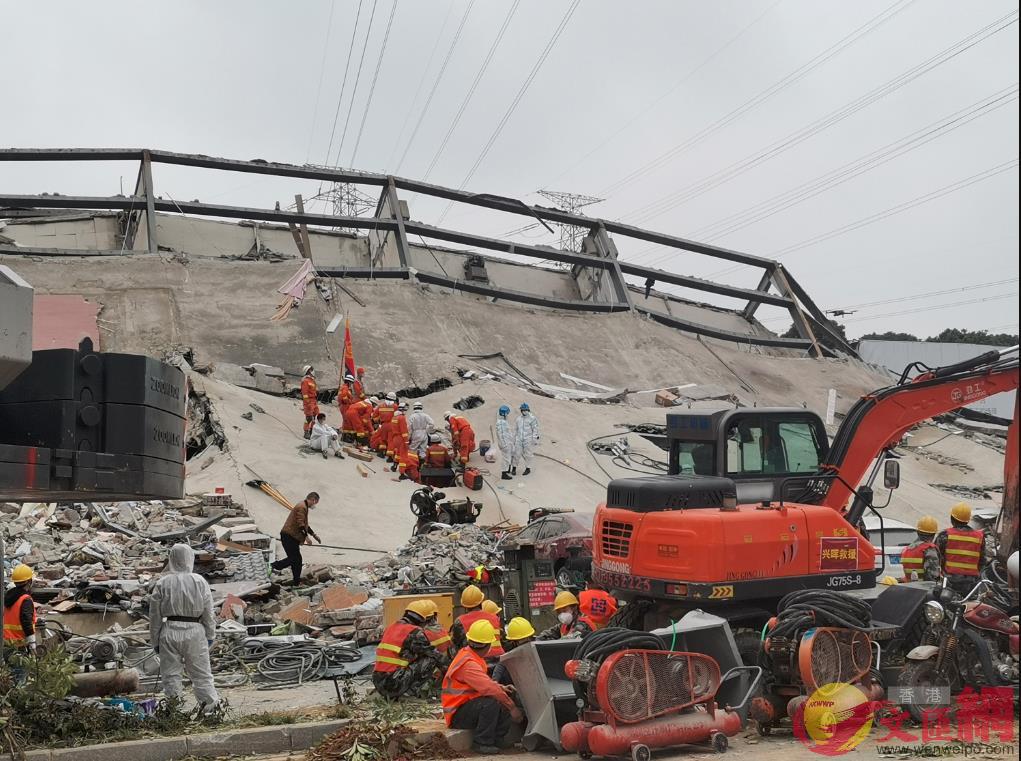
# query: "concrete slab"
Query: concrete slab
155,749
304,736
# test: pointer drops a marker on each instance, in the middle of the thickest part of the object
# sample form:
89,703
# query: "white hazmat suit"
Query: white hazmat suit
526,438
324,438
419,426
505,441
183,644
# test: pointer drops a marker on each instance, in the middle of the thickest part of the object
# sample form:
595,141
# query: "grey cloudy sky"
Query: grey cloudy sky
872,146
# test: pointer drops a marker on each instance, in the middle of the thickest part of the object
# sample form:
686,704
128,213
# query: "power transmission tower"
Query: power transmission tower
344,198
571,236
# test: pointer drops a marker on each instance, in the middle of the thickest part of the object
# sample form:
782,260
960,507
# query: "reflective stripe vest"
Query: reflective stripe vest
309,390
388,652
963,553
437,456
598,605
480,615
456,693
912,558
14,635
345,397
439,637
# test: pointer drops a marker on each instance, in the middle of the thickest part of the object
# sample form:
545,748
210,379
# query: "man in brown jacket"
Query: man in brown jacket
295,532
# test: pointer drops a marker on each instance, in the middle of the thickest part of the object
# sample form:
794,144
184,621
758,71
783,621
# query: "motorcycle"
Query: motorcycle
426,505
970,641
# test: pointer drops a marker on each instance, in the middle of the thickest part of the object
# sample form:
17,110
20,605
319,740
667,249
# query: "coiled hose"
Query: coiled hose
808,608
285,663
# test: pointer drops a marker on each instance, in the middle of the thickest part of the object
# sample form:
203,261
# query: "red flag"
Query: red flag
349,355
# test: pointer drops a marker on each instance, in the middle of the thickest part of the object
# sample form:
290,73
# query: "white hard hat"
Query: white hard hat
373,400
417,406
306,369
1012,566
447,414
350,378
391,397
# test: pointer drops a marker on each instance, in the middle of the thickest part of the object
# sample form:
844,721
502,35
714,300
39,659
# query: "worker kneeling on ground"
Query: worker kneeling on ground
519,632
406,659
182,627
573,624
962,549
921,558
472,700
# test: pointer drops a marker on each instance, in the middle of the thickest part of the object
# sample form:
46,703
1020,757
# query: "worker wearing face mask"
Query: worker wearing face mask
571,622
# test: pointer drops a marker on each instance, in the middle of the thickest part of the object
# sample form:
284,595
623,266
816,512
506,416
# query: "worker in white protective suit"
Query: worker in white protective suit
325,438
420,425
182,627
526,439
505,442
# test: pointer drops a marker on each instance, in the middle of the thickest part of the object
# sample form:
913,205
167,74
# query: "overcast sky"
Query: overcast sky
872,146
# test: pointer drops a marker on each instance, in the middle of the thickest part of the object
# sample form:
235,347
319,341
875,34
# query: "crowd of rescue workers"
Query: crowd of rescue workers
417,656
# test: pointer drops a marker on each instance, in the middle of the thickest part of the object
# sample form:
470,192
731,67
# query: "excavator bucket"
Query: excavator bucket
830,655
637,685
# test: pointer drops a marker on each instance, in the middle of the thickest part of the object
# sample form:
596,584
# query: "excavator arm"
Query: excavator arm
878,421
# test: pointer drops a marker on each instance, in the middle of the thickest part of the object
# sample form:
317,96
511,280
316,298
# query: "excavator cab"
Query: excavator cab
763,450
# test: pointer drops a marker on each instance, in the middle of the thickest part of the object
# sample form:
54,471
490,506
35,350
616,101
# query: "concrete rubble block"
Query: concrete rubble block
299,611
341,596
666,399
459,740
43,754
154,749
308,735
240,742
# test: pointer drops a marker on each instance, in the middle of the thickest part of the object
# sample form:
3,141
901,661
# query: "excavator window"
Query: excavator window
769,446
695,458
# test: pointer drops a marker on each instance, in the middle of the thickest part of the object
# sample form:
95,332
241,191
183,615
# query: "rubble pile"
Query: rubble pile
439,558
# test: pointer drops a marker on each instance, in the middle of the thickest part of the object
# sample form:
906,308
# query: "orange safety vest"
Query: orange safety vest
456,693
913,559
359,390
388,652
439,637
467,619
566,629
597,605
963,552
14,635
386,411
345,397
437,456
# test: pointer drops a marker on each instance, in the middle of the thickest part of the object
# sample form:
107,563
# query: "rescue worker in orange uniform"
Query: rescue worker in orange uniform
462,436
361,419
384,419
473,600
572,623
408,466
920,559
359,385
20,614
406,660
472,700
397,447
598,605
962,549
345,398
436,455
309,398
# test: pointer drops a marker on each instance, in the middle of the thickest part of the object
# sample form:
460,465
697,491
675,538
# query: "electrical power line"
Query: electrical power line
358,78
436,84
421,84
917,310
471,90
372,87
795,76
517,99
670,91
889,212
661,205
343,86
319,89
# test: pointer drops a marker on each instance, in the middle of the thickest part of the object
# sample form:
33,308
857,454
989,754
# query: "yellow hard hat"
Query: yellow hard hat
22,573
564,599
491,607
961,512
472,597
519,628
927,525
889,581
424,608
482,633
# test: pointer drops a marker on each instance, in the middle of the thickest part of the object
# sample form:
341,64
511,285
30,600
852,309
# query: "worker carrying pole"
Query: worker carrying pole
472,700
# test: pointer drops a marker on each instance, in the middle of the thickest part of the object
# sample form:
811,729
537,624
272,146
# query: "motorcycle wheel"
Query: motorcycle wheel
921,675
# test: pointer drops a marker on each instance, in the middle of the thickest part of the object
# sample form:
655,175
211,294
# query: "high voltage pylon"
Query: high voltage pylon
344,198
571,236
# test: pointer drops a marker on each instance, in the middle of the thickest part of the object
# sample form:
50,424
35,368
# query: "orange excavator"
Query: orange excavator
758,503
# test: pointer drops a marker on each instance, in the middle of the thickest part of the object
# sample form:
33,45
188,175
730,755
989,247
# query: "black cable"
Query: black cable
372,87
343,86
